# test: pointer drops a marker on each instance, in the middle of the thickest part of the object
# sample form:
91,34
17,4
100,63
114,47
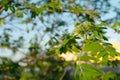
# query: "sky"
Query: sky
111,34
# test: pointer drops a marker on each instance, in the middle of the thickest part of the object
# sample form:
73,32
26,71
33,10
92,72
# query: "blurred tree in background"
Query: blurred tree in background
60,40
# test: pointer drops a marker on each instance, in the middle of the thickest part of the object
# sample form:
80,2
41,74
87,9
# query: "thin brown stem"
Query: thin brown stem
61,78
1,9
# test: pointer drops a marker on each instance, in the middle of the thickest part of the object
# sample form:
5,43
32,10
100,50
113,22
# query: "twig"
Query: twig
1,9
61,78
6,15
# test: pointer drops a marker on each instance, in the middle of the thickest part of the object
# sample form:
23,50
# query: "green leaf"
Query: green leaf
87,66
1,21
19,14
105,59
88,71
101,54
62,49
75,49
112,52
86,57
108,76
12,9
65,41
93,47
115,25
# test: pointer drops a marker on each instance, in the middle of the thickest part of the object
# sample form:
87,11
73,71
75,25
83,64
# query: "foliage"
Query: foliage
48,22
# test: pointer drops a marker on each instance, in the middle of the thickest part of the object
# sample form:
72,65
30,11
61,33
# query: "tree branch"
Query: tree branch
61,78
1,9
